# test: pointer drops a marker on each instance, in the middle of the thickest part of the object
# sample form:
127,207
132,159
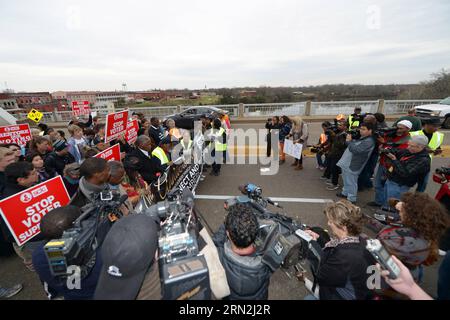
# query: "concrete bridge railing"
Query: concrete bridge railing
242,111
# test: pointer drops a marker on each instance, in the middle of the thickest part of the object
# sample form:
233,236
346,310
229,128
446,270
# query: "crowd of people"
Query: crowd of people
367,154
360,148
50,153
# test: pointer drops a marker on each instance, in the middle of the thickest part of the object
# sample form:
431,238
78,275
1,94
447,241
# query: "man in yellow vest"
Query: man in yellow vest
159,156
435,138
220,147
355,119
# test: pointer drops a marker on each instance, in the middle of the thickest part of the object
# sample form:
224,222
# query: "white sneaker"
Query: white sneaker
442,252
333,187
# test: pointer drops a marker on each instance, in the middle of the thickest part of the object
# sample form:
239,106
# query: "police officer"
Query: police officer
220,147
435,138
355,119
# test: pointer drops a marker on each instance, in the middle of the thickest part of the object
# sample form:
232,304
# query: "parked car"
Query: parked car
441,110
186,118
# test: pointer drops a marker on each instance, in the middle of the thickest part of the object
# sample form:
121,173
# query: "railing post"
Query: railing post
380,108
308,108
241,110
178,109
55,115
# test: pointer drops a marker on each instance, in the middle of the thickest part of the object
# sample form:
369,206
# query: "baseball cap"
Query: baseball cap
127,254
432,121
60,145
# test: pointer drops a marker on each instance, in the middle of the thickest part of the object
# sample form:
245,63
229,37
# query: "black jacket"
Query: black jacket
55,163
248,278
147,167
409,168
344,266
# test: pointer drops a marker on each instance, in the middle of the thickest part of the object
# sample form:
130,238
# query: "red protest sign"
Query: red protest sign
132,131
23,211
19,134
110,154
80,108
116,125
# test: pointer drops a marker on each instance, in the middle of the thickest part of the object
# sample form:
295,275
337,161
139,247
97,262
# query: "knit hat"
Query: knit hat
60,145
405,123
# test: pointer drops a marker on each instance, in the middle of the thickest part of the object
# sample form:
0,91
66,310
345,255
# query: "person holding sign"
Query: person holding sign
299,134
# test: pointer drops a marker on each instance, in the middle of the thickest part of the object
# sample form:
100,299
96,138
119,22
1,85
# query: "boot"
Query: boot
299,167
295,163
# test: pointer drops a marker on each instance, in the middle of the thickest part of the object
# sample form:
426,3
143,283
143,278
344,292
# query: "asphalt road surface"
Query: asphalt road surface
304,187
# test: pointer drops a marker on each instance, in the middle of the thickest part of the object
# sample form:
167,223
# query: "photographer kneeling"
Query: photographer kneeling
342,272
248,277
53,225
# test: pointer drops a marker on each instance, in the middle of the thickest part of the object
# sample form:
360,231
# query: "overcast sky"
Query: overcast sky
98,45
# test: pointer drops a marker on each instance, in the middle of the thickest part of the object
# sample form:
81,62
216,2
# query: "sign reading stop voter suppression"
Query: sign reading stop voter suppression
19,134
23,211
110,154
116,125
132,131
80,108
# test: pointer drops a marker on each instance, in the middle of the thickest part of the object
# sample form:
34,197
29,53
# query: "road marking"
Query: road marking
275,199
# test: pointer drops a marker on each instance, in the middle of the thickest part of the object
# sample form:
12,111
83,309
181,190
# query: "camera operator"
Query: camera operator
271,124
248,277
342,272
53,225
415,241
95,175
407,167
354,159
364,179
130,266
337,149
323,145
399,140
435,140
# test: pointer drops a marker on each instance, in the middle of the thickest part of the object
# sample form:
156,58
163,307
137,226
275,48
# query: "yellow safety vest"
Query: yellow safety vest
161,155
218,145
434,143
351,122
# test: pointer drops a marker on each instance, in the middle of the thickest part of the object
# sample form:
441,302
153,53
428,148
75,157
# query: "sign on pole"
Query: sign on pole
35,115
80,108
132,131
23,211
19,134
293,149
110,154
116,125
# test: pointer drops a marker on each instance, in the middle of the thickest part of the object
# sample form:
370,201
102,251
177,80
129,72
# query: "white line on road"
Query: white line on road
276,199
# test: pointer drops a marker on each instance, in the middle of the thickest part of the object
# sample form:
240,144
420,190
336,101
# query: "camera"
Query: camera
355,133
78,245
389,132
443,170
315,149
385,150
184,272
281,240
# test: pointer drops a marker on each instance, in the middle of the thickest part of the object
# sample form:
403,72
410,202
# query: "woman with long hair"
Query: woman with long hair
416,241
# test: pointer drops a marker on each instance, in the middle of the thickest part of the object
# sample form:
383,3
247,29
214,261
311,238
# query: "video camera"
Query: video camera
78,245
443,170
281,240
389,132
184,272
355,133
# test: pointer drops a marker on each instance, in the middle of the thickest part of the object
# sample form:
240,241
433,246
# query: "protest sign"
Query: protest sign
116,125
293,149
19,134
110,154
132,131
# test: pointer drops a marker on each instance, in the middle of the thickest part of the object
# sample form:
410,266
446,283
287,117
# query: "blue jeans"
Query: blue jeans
421,186
350,189
393,190
380,180
320,162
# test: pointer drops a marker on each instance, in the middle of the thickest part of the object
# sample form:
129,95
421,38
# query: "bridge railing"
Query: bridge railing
308,108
